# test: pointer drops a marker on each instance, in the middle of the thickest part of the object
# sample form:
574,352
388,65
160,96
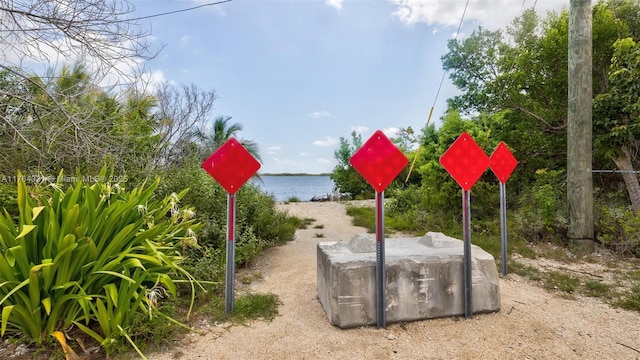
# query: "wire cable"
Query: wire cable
444,73
442,80
181,10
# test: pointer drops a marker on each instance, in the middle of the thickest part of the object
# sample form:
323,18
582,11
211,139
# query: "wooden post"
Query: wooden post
579,131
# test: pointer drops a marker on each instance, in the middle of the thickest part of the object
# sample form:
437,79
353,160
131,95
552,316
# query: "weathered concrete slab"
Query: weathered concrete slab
424,279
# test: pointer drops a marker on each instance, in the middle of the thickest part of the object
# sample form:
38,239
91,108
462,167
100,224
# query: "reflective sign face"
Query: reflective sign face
502,162
465,161
231,165
379,161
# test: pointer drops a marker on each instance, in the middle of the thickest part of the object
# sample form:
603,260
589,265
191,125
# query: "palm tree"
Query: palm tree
219,134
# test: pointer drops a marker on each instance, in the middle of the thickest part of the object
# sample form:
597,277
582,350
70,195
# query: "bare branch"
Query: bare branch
541,119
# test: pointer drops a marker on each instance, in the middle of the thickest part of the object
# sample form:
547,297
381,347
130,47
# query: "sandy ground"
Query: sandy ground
532,324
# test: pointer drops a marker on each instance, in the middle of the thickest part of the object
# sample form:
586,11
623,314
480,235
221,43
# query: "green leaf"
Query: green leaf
24,206
70,220
26,229
6,312
89,332
36,211
14,290
113,273
34,289
46,303
112,292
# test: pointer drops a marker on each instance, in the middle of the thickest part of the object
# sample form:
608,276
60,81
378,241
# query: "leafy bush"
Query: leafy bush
363,216
8,198
346,179
618,228
542,212
248,245
258,223
406,210
92,256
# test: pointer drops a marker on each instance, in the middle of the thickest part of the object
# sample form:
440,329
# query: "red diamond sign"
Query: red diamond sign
465,161
502,162
231,165
379,161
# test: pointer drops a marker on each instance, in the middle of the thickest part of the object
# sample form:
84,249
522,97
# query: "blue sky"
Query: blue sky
298,75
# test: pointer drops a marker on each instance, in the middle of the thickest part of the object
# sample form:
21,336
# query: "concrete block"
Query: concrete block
424,279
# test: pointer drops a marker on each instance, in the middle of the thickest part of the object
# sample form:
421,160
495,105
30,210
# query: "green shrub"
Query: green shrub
619,230
542,213
248,246
92,256
257,210
363,216
298,223
9,198
258,223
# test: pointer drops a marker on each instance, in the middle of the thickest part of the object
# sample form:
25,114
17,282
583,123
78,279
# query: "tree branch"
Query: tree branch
541,119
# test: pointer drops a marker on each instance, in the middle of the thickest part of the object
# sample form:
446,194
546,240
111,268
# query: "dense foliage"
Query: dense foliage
91,256
141,137
514,88
258,223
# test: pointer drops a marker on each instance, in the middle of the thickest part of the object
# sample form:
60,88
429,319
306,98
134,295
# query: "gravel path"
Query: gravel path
533,323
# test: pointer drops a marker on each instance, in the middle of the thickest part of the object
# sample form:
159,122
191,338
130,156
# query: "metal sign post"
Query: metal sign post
466,234
379,162
502,164
503,228
465,161
230,274
231,165
381,301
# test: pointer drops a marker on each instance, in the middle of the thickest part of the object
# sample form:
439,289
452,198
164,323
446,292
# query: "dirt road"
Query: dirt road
532,324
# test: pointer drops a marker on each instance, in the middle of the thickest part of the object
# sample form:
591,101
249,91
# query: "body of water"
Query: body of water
302,187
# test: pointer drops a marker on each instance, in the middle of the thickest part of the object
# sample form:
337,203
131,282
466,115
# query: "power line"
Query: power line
616,171
181,10
444,73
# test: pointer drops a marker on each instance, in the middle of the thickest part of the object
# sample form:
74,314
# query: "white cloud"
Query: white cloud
359,128
326,142
391,132
304,154
492,14
319,114
431,12
334,3
272,150
323,161
40,57
154,77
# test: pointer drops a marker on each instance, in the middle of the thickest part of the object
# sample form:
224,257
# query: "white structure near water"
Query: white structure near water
424,279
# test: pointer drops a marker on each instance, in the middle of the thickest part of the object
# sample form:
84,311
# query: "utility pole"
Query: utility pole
579,131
